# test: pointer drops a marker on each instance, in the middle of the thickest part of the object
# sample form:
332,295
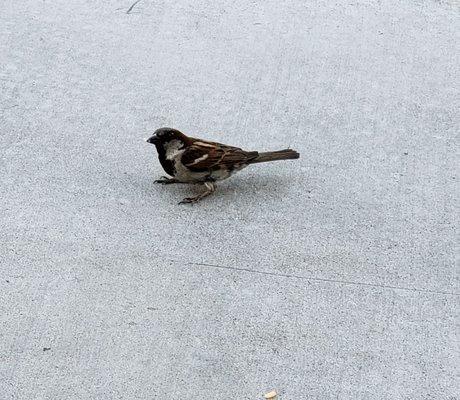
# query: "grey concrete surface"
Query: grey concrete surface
331,277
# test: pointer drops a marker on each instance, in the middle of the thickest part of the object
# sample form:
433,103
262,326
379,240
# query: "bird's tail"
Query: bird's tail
286,154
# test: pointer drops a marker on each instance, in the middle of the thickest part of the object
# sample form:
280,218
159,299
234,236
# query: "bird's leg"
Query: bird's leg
164,180
211,188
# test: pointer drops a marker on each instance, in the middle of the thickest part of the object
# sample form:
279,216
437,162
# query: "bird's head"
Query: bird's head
163,136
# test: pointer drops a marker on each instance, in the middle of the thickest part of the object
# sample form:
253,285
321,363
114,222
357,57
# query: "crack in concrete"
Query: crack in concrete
132,6
312,278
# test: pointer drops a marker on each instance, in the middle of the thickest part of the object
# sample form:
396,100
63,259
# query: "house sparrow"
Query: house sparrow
190,160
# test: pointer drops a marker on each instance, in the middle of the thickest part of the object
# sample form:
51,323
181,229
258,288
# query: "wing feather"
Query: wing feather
207,156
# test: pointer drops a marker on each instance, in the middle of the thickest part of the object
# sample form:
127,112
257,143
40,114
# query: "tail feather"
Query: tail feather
286,154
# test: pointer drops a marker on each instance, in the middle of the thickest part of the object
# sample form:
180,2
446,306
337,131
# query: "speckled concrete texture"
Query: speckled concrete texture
330,277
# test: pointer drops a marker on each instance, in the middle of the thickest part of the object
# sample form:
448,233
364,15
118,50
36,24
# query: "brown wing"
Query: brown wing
206,156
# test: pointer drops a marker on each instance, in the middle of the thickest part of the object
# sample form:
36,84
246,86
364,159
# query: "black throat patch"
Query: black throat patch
167,165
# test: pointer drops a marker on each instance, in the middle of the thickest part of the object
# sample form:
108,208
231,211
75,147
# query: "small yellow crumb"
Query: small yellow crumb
270,395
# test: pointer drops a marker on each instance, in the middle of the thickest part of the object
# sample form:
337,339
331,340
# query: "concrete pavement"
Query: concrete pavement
330,277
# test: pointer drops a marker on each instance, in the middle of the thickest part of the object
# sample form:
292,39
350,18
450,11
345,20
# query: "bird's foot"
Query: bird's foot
164,180
210,188
190,200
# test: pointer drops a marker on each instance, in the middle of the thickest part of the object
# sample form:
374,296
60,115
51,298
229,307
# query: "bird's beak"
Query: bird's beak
153,139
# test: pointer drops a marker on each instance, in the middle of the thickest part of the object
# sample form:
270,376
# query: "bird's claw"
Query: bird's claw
189,200
164,180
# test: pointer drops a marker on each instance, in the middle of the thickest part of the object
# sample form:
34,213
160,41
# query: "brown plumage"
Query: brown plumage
190,160
286,154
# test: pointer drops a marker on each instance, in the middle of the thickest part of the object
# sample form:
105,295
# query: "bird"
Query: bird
197,161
